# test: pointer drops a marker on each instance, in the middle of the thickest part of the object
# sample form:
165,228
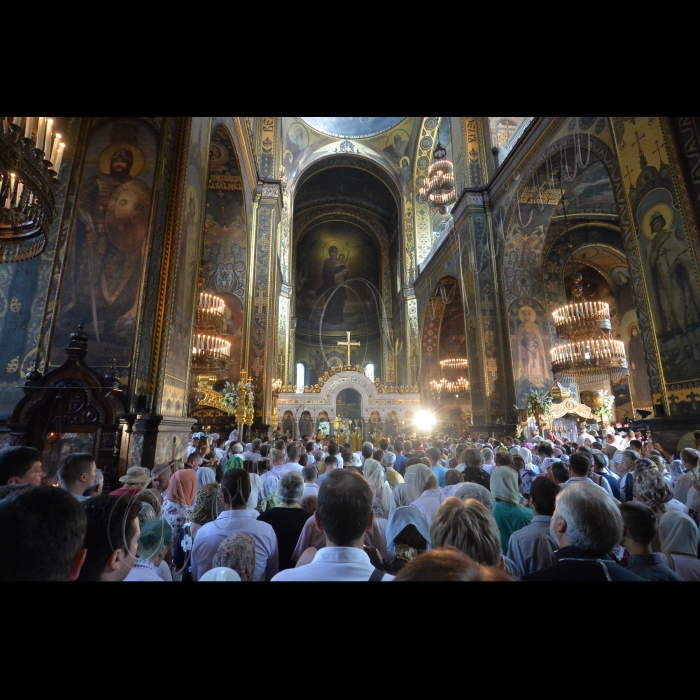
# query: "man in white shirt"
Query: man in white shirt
194,446
293,459
580,466
236,518
344,515
254,454
311,486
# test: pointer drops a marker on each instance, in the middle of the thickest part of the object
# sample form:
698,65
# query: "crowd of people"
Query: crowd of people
610,507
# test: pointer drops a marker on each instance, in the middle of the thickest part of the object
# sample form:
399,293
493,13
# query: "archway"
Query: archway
348,407
346,252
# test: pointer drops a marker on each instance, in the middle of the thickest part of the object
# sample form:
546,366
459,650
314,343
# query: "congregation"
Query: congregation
609,508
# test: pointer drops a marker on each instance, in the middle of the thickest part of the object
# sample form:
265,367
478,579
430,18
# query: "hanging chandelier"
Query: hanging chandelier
445,388
439,187
31,155
587,352
455,363
210,352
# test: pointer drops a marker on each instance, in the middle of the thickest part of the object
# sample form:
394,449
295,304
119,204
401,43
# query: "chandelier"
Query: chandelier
448,388
455,363
210,352
31,155
439,187
587,352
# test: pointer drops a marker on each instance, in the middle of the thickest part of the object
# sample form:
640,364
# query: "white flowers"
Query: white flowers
231,395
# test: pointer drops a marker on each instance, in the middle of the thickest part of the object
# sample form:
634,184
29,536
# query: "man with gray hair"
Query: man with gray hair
288,519
587,525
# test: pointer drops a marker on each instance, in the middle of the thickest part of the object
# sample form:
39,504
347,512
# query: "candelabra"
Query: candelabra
455,364
586,352
31,155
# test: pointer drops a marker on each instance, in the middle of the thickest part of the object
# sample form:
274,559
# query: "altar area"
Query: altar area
392,410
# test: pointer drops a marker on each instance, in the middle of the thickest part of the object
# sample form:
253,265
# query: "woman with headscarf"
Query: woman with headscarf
238,554
679,540
651,489
234,459
177,506
408,536
509,514
676,470
423,491
376,477
478,493
155,540
208,506
205,477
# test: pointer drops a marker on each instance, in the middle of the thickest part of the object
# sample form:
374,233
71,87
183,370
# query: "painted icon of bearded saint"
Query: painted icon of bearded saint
114,211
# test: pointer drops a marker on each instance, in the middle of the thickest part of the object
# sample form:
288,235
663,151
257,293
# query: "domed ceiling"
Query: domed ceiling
352,127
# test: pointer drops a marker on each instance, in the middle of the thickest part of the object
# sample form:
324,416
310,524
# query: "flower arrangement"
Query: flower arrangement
605,412
231,396
539,404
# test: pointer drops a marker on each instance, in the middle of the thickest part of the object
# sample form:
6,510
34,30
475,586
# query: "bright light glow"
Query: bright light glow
369,371
424,422
301,378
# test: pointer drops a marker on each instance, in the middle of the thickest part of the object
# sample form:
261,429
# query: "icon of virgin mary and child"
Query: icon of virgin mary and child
335,274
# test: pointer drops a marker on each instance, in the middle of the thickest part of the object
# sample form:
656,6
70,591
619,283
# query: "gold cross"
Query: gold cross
349,345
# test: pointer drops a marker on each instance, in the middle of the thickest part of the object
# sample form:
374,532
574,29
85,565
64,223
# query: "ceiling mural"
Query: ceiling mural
352,127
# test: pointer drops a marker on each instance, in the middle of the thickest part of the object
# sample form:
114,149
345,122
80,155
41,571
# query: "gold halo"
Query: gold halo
527,308
106,158
665,210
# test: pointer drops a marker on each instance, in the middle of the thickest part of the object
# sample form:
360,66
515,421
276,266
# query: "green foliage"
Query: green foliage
539,403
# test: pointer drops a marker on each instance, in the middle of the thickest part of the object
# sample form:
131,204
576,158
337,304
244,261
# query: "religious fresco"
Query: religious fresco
668,259
102,278
531,348
353,127
591,193
175,399
503,128
640,390
329,256
226,239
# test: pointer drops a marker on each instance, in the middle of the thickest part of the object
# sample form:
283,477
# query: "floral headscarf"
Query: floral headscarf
208,506
237,553
653,490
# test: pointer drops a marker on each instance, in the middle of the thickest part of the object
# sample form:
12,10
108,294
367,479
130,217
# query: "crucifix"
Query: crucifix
659,152
629,174
638,142
349,345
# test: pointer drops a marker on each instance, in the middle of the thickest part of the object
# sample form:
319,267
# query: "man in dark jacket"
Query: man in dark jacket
588,526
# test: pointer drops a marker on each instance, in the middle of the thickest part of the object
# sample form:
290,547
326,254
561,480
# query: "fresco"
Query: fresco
502,128
669,263
592,193
531,348
639,376
103,271
226,241
353,127
330,255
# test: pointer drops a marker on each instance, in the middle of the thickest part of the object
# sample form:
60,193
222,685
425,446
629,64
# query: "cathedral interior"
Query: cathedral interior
160,275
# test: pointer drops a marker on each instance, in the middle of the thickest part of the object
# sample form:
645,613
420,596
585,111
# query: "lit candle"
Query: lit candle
41,131
29,127
54,150
47,139
20,189
12,189
17,121
59,159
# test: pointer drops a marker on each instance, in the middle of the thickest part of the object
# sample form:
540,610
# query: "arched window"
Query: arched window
369,371
301,378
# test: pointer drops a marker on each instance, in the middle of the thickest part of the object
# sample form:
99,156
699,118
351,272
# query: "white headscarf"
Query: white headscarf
376,477
400,520
526,455
205,476
679,534
417,478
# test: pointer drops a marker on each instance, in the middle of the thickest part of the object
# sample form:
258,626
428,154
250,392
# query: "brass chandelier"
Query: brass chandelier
587,352
31,155
439,187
